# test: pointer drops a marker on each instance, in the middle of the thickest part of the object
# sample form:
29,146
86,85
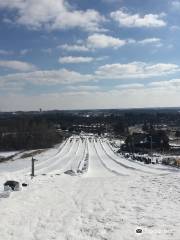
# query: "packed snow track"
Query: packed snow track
83,155
83,190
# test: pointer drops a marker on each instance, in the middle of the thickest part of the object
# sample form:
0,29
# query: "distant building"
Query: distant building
144,142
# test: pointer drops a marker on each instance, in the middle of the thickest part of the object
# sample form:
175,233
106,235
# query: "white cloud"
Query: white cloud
173,83
11,86
84,88
93,41
104,41
24,52
107,72
126,19
97,40
71,59
150,41
175,5
52,14
51,77
5,52
142,97
155,94
18,66
135,70
147,41
80,59
130,86
74,48
158,85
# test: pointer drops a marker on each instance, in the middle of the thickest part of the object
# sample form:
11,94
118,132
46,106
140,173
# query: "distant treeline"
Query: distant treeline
27,132
39,129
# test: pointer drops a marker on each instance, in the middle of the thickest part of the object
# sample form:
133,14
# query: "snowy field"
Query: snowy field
104,197
8,154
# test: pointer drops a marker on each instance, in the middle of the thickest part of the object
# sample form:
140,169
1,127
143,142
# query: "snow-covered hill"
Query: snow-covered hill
108,197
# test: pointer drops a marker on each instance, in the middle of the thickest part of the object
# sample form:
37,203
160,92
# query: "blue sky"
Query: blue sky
58,54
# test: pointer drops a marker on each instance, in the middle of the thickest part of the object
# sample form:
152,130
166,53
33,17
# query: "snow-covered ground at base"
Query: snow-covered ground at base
174,144
8,153
109,200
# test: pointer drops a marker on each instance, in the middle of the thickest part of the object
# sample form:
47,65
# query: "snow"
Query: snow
8,153
96,168
110,199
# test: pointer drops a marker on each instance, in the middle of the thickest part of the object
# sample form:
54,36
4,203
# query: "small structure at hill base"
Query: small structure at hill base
70,172
24,184
138,230
11,185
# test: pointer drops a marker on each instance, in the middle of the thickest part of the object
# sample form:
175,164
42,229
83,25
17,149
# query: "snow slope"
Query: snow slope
108,201
96,168
129,164
8,154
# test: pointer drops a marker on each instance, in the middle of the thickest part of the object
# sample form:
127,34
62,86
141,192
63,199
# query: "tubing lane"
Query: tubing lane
53,164
105,162
108,163
129,164
63,163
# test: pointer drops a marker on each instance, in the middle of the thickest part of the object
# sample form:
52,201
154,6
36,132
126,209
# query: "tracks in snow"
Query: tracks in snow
88,157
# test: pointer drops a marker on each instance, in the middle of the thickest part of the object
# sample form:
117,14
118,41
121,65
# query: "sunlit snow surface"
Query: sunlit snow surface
8,154
109,198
